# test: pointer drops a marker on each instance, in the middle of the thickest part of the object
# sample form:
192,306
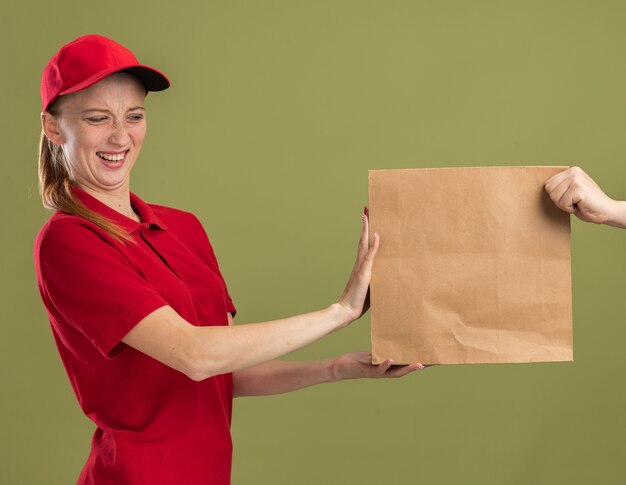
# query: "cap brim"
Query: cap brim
152,79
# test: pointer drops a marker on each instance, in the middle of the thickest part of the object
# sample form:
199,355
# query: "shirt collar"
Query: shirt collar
147,215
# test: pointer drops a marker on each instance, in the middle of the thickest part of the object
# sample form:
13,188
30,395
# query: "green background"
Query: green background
277,110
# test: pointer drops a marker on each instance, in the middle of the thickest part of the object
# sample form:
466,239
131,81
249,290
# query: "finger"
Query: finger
401,371
384,367
369,257
557,191
569,199
412,367
577,173
555,180
364,239
571,174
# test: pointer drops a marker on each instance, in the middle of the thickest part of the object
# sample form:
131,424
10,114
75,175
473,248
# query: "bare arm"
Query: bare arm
280,376
202,352
575,192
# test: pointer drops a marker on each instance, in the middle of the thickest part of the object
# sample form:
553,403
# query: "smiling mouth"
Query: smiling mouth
112,157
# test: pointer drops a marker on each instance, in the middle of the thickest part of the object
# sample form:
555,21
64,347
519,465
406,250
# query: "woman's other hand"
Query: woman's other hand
356,365
576,193
354,300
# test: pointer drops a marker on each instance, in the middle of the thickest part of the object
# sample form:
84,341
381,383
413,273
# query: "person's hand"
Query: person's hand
575,192
355,297
356,365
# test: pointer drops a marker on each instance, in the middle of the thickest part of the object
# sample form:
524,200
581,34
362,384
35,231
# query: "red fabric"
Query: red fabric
89,59
154,424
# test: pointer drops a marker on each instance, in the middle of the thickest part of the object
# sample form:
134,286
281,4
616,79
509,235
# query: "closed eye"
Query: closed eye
96,119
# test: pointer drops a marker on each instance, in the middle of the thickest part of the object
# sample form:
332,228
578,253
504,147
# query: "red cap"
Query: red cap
89,59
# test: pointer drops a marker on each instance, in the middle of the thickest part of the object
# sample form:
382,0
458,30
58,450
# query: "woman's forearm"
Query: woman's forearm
232,348
279,376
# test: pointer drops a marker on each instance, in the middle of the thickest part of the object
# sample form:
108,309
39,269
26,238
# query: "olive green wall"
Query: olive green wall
277,110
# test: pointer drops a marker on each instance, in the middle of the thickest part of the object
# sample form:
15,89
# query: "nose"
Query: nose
119,134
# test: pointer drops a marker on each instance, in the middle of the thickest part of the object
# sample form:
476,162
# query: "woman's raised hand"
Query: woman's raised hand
355,297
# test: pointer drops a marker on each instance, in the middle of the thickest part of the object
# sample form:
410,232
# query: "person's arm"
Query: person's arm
279,376
575,192
202,352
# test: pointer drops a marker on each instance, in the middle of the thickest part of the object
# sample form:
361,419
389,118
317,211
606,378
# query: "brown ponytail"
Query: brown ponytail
55,188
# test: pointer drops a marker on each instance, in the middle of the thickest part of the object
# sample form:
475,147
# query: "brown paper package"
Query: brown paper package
474,266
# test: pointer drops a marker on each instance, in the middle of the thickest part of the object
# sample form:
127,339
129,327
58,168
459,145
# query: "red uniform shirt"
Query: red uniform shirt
154,424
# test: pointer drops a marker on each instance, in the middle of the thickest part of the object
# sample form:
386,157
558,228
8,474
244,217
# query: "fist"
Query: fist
575,192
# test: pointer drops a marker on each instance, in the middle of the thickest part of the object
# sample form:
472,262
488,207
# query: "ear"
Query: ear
50,126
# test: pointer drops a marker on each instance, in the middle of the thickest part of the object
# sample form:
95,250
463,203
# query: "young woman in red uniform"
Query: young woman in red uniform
138,308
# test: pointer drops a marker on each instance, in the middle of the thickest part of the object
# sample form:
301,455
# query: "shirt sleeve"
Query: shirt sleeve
86,282
209,254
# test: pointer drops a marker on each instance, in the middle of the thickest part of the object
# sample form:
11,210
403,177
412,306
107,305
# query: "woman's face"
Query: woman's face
101,129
